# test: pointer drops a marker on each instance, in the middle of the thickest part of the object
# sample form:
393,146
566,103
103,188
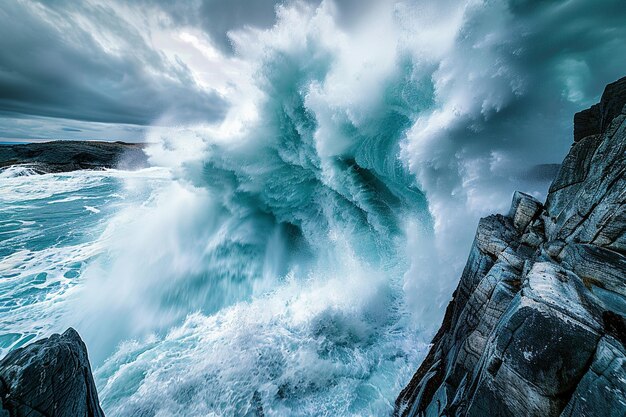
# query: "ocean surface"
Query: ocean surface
251,283
262,266
265,266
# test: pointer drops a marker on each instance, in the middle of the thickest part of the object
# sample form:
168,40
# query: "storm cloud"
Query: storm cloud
218,18
104,62
123,63
82,61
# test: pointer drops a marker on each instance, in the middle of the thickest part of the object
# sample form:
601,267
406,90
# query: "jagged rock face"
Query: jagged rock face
537,325
50,377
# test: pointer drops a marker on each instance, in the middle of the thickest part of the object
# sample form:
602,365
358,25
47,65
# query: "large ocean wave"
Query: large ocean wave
285,238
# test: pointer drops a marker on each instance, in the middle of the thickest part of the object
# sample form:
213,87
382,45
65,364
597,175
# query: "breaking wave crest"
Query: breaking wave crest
269,274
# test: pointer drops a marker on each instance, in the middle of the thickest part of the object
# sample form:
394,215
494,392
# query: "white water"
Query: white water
261,269
218,309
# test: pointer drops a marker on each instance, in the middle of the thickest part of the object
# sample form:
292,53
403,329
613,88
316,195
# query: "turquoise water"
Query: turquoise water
245,274
250,272
261,267
50,226
199,299
294,258
240,276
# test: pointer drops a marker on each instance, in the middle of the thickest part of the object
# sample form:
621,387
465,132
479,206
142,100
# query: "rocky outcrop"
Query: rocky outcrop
49,378
598,117
537,325
64,156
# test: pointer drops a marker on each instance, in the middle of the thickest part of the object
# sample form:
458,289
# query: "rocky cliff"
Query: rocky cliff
537,325
49,378
63,156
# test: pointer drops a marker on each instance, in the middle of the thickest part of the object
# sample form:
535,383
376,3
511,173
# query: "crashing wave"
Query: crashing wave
23,170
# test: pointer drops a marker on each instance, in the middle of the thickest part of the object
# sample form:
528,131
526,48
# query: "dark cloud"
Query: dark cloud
554,58
51,66
32,128
218,17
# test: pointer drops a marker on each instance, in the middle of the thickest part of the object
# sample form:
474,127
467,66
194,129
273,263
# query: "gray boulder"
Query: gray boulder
49,378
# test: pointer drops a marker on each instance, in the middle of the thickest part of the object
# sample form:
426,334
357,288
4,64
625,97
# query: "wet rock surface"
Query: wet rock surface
537,325
65,156
49,378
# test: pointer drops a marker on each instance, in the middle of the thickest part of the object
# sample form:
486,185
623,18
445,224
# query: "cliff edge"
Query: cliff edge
537,324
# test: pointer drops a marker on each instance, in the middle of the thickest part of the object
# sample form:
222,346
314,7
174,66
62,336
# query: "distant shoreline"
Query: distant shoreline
29,141
72,155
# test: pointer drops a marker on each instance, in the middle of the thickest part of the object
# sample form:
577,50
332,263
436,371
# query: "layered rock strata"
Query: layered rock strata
537,325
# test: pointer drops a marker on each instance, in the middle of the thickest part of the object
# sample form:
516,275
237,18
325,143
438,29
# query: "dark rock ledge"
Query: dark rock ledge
49,378
537,324
66,155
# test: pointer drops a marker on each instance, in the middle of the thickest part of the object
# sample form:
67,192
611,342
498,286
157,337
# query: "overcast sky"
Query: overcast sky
108,69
